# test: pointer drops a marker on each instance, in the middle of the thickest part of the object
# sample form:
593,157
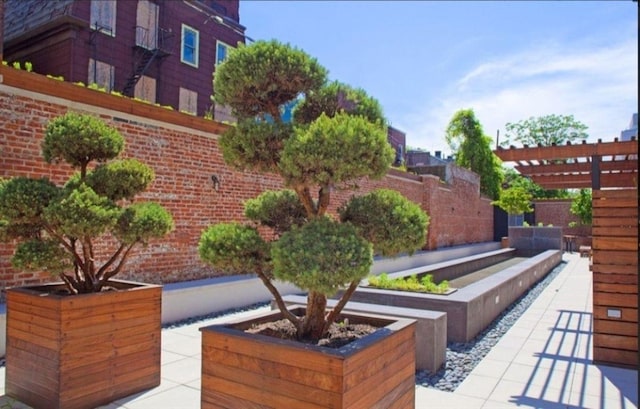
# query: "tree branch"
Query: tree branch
304,194
324,197
333,314
109,274
108,263
279,301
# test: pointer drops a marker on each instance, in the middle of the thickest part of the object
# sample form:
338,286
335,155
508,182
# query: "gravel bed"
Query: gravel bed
463,357
201,318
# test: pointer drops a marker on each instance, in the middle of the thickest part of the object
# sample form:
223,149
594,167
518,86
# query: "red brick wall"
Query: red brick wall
184,160
557,212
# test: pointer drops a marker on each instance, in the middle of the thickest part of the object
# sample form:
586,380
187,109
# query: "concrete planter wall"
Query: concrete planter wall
533,240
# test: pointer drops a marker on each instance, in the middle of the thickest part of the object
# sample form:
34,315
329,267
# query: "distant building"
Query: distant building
632,130
162,51
398,141
417,158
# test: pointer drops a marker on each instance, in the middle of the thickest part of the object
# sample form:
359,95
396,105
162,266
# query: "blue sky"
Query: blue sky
507,60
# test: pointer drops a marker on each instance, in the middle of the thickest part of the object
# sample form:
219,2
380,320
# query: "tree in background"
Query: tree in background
545,131
514,200
513,178
472,150
581,206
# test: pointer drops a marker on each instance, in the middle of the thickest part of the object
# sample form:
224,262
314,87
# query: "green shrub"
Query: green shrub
411,283
57,227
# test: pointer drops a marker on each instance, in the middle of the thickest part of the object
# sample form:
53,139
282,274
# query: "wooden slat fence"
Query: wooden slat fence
615,276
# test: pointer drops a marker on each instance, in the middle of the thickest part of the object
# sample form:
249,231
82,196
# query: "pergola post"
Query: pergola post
595,172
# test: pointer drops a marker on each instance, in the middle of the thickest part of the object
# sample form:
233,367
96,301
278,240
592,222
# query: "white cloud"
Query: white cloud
597,85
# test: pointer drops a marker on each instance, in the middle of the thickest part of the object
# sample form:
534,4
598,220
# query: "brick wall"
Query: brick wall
557,212
184,158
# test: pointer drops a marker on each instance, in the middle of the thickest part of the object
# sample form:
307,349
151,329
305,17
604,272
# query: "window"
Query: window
222,52
188,101
147,25
100,73
146,89
103,16
189,53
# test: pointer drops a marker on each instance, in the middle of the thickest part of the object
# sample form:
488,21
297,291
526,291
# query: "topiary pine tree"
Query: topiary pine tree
337,137
57,227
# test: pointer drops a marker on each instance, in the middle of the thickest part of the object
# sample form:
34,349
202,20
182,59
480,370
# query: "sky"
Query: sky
506,60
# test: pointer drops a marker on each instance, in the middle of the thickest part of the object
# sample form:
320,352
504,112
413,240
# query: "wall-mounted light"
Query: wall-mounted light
216,182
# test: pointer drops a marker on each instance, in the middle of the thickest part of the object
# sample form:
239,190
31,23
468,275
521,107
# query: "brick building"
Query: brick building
162,51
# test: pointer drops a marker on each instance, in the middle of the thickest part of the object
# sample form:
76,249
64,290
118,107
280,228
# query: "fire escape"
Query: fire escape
150,46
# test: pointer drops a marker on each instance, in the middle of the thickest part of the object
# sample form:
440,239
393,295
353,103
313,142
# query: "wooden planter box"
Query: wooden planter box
241,370
82,351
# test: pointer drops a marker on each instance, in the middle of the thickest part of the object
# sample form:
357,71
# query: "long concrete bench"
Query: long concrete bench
431,328
452,269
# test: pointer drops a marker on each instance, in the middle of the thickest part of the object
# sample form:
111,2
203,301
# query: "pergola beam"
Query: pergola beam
582,167
584,180
541,153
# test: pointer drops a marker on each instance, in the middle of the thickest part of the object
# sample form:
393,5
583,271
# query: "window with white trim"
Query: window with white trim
188,101
222,51
101,73
103,16
145,89
190,45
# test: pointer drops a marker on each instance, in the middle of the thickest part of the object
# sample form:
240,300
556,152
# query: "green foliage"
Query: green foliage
121,179
337,137
514,200
472,150
391,222
234,248
411,283
143,221
28,66
59,226
581,206
258,79
255,145
545,130
336,98
82,213
323,256
514,179
41,255
23,200
280,210
335,150
79,139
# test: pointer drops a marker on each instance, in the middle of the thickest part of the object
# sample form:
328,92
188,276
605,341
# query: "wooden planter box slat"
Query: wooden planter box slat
82,351
219,357
255,371
256,388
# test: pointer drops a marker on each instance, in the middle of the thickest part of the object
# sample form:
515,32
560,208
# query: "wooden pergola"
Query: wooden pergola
611,170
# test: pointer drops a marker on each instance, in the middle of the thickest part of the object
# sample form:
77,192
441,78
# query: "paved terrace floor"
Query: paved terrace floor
543,361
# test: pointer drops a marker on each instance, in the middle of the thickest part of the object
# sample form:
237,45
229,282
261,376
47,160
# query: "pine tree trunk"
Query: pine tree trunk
314,323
